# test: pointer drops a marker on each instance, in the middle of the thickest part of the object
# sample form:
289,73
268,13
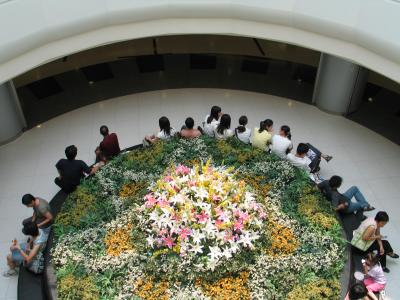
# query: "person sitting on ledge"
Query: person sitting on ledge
241,132
212,120
303,160
357,291
109,146
42,215
281,143
262,135
71,170
187,131
223,130
375,280
315,156
300,159
29,253
166,132
367,238
342,202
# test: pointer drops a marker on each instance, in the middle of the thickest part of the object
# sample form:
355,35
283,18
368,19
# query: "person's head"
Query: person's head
224,123
242,124
357,291
104,130
285,131
71,152
189,123
215,113
381,218
372,259
302,149
31,229
335,182
267,125
165,126
28,200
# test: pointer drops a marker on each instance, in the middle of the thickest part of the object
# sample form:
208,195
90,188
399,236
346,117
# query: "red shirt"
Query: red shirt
110,145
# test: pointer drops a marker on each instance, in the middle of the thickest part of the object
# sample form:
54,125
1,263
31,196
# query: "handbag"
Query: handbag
358,241
37,264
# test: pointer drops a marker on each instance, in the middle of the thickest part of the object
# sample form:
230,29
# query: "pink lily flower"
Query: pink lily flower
169,242
182,170
203,217
162,203
151,201
185,233
238,226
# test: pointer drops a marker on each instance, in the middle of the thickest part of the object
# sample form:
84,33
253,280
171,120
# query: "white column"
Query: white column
339,86
12,121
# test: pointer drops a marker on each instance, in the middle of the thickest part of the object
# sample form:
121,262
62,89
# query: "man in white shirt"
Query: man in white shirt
300,159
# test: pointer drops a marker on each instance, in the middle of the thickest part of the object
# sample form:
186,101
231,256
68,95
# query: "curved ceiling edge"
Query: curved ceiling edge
368,49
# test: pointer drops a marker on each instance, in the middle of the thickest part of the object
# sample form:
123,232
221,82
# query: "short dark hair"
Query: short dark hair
27,199
189,122
302,148
104,130
382,216
71,152
31,229
335,181
357,291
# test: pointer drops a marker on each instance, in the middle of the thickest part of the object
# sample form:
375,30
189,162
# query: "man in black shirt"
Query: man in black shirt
71,170
342,202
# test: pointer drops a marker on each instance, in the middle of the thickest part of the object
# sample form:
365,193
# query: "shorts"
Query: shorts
373,286
16,256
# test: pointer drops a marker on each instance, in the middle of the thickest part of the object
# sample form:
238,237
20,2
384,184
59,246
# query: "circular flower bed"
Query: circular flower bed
197,219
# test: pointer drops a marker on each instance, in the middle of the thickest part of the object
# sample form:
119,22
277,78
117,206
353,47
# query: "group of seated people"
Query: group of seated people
367,238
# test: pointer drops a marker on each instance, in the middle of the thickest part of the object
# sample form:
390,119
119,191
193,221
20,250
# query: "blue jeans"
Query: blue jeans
360,203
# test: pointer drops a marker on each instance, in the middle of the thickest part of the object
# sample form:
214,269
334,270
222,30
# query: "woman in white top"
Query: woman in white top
166,131
212,120
281,144
223,130
241,132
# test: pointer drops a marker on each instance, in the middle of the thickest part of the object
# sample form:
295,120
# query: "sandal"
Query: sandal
328,158
393,255
369,208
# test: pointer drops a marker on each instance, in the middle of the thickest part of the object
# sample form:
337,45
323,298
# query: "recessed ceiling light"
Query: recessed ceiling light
39,126
370,99
91,82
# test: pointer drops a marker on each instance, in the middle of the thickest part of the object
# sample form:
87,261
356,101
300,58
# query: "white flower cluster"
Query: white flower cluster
196,147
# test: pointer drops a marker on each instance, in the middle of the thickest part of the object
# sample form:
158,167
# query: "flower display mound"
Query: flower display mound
197,219
203,214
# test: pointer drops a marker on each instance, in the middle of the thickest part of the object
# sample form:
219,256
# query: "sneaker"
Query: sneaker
386,270
10,273
369,208
393,255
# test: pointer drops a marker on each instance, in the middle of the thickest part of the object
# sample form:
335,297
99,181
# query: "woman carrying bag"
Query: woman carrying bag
367,238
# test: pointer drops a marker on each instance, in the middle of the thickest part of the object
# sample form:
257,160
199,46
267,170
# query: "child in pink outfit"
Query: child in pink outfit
375,280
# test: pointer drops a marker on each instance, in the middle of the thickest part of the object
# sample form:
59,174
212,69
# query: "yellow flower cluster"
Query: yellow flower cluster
71,287
119,240
258,183
131,189
320,289
309,207
148,156
283,240
227,288
82,201
148,289
242,155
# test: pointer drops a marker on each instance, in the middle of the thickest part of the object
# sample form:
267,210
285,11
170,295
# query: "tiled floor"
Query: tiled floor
361,156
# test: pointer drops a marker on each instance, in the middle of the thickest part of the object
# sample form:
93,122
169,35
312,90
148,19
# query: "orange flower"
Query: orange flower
119,240
283,240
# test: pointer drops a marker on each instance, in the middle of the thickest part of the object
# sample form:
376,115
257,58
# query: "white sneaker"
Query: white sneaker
10,273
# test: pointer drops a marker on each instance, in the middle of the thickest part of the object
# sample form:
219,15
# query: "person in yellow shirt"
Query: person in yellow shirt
262,135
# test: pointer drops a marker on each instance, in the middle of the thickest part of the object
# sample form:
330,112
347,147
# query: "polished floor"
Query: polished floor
361,156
